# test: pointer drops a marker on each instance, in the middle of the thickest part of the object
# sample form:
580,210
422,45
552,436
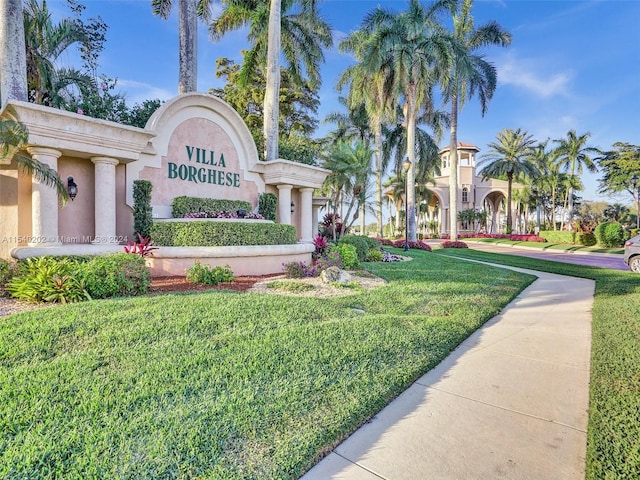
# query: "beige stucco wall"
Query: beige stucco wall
76,222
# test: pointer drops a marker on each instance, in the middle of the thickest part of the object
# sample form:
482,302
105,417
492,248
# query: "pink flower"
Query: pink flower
80,112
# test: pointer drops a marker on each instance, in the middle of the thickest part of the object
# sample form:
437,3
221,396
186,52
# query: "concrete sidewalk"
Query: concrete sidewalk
510,402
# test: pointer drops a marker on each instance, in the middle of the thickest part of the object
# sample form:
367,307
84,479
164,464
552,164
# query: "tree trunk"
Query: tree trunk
509,219
272,88
378,155
411,153
453,169
13,68
188,47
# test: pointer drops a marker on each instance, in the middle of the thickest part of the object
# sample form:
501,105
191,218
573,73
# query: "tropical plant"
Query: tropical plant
618,167
573,154
47,279
471,74
208,275
13,137
509,156
267,205
143,247
350,169
298,109
292,28
414,51
46,41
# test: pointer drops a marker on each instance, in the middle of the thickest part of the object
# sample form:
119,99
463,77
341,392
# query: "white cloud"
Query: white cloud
527,75
137,92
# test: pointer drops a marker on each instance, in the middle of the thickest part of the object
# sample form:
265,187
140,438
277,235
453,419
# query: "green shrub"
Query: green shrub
348,255
183,205
557,236
609,234
48,279
142,211
219,234
361,244
207,275
267,206
374,256
116,275
587,239
8,270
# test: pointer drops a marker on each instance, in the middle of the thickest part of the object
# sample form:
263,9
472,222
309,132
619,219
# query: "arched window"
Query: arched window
465,195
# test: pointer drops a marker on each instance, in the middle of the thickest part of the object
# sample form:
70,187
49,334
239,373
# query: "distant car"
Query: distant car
632,253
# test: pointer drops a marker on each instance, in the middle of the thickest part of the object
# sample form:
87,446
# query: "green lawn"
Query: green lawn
613,448
566,247
225,385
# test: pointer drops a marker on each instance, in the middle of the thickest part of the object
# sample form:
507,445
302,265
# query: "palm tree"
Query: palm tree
45,42
367,93
299,35
350,171
13,86
13,137
415,51
573,155
471,74
13,67
188,13
510,156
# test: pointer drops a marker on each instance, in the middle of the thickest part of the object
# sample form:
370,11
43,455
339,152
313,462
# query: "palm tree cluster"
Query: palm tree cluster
401,61
549,177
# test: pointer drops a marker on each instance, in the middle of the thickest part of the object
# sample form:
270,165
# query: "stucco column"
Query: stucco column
105,200
284,204
44,202
306,215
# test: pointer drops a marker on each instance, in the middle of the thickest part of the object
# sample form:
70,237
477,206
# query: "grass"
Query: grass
226,385
613,437
566,247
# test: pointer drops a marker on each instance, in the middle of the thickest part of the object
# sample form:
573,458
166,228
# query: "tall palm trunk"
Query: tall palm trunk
272,89
509,219
453,168
13,68
377,135
411,150
188,46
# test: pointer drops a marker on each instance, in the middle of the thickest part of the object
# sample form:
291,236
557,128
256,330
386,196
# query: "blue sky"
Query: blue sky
573,64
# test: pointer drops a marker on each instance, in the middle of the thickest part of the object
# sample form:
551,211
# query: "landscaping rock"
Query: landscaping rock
335,275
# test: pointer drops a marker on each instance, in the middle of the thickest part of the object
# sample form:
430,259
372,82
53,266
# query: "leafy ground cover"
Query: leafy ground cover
613,444
222,384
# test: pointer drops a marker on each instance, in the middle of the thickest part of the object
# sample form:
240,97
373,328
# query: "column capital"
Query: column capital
45,151
105,160
284,186
307,189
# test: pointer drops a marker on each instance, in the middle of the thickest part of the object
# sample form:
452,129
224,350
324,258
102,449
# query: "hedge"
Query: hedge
183,205
558,236
221,234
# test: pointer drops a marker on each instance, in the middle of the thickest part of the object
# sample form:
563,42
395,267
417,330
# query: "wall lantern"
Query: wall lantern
72,188
293,207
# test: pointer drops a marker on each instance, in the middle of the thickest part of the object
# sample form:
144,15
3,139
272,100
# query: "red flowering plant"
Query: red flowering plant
420,245
142,247
320,243
450,244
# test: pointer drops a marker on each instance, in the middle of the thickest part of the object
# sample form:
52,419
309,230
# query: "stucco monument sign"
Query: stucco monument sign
195,145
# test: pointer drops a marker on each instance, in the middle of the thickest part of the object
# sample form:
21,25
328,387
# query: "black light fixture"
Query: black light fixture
72,188
406,165
293,207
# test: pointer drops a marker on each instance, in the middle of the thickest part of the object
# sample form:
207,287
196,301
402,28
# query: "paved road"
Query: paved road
593,260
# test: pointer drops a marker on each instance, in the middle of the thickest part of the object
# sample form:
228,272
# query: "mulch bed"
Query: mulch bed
181,284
